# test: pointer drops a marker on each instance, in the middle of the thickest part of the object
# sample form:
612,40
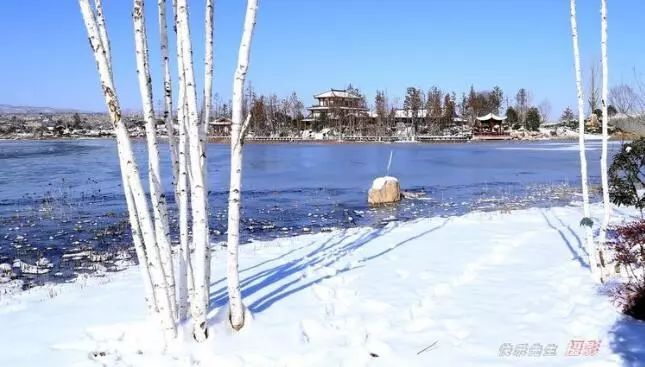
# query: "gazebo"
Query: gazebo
221,126
490,124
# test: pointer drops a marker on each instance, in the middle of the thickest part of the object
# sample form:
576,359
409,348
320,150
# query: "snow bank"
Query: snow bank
563,147
441,291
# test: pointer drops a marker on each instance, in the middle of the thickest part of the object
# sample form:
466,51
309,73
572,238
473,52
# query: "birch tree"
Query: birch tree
586,222
178,152
208,66
185,276
185,279
207,100
144,234
160,211
167,87
238,131
197,163
605,135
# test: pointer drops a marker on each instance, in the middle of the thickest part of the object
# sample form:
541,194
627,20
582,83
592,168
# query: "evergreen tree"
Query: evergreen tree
472,105
380,103
463,106
568,118
522,104
433,106
495,99
412,104
448,111
512,118
532,119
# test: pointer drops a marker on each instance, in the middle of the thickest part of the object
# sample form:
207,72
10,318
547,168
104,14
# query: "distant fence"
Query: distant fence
634,125
354,139
444,138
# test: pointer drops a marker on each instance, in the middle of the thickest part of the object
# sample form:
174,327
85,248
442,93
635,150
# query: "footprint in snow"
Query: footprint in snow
403,274
322,292
420,324
312,330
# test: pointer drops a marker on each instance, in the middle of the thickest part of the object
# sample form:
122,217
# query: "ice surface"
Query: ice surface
59,197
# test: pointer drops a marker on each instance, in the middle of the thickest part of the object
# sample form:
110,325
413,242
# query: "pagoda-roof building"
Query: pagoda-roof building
490,124
336,104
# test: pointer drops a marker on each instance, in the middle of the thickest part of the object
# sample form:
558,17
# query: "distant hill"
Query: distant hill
11,109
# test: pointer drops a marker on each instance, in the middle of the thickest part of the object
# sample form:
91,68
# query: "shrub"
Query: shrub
627,175
629,246
533,119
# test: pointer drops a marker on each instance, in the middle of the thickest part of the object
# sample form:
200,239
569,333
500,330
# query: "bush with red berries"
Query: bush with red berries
629,247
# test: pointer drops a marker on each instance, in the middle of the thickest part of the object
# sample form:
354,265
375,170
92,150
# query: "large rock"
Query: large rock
384,190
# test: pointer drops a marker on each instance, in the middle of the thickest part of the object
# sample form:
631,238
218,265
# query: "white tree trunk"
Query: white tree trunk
138,204
605,137
237,137
208,67
207,102
137,240
160,211
167,86
197,156
185,277
589,243
100,21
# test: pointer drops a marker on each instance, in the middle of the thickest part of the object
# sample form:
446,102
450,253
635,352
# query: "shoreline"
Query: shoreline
225,141
90,263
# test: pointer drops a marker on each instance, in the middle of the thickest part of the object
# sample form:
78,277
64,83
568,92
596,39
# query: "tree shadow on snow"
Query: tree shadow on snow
580,247
328,253
626,339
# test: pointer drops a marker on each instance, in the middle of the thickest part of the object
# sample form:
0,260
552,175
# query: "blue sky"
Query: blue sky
309,46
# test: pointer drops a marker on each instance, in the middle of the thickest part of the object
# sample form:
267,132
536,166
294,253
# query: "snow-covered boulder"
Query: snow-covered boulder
6,273
384,190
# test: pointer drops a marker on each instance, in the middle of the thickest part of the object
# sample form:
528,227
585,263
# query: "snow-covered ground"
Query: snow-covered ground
455,291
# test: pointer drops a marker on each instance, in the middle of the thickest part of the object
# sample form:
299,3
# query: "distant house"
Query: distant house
335,105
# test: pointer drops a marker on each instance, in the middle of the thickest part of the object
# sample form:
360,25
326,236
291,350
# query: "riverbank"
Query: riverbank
478,290
353,140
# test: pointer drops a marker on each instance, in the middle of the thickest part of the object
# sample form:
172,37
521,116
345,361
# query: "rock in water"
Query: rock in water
384,190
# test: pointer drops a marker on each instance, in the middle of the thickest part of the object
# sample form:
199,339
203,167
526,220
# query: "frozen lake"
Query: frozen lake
61,196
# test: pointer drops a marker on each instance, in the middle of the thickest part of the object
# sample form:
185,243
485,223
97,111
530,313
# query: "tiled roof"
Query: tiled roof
337,93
